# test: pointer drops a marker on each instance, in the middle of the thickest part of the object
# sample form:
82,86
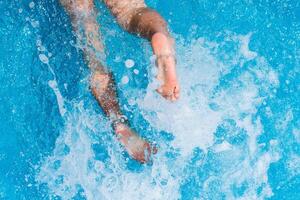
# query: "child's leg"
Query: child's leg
135,17
84,22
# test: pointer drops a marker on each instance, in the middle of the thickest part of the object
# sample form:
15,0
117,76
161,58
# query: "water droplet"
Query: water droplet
44,58
117,59
125,80
41,48
131,102
38,42
31,4
129,63
35,24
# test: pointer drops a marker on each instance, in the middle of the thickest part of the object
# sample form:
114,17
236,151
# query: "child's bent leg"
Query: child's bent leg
135,17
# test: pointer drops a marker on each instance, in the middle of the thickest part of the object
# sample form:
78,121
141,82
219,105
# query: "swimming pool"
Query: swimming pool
234,134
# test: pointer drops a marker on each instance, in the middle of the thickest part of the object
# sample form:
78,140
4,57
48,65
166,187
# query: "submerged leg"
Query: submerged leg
135,17
84,22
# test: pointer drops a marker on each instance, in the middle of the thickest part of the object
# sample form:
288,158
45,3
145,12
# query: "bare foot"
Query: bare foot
136,147
163,49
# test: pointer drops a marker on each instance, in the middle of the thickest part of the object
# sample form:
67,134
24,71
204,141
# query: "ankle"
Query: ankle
118,121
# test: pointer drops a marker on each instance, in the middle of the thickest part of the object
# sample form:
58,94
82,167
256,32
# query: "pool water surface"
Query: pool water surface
234,133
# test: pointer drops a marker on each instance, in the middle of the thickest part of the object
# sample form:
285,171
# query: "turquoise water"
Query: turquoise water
234,134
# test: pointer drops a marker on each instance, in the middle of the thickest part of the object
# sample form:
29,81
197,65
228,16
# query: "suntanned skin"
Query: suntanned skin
135,17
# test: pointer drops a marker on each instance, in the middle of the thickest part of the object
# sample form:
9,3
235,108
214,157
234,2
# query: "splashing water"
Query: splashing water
233,134
216,119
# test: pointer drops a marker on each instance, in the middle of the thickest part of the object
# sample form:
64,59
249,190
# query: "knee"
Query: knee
147,22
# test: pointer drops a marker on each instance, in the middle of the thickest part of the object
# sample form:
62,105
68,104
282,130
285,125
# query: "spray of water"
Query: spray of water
216,114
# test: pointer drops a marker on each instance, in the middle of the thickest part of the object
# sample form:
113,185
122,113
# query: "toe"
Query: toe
173,98
160,90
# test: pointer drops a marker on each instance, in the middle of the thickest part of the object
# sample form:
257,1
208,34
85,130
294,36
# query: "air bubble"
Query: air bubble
125,80
31,5
129,63
117,59
41,48
38,42
44,58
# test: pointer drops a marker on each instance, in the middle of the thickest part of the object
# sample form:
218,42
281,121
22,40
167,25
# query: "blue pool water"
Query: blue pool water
234,134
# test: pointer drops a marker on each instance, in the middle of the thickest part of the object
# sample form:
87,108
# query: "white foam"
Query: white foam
204,106
293,165
193,122
224,146
245,46
296,133
284,120
100,180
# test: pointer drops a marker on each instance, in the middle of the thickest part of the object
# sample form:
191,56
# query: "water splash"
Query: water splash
215,127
